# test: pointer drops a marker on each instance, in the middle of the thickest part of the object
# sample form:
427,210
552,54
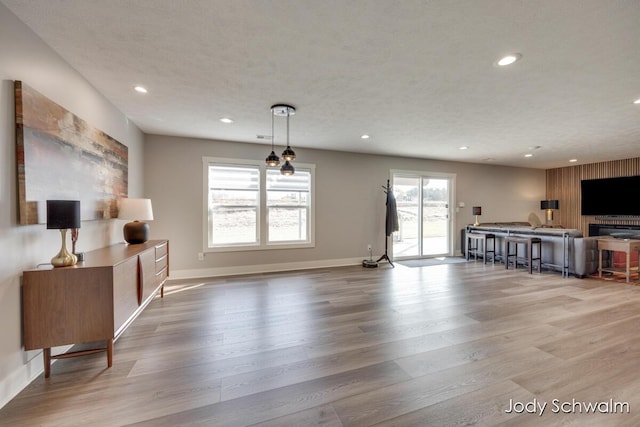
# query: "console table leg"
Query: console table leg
600,262
46,355
110,352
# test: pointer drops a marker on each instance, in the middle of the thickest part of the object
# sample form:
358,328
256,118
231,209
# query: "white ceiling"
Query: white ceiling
418,76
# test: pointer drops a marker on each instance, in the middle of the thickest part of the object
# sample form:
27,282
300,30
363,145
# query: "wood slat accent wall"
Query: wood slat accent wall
563,184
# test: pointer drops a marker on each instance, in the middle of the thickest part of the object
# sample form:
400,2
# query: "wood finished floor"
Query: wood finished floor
435,346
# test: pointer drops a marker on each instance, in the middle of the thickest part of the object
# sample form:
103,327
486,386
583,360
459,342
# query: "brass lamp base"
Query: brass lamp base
549,217
136,232
64,258
477,223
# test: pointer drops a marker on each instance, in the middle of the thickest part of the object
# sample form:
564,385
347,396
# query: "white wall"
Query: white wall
350,203
23,56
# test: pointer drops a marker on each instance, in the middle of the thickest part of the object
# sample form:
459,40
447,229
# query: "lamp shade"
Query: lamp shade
477,210
287,168
135,209
63,214
288,154
549,204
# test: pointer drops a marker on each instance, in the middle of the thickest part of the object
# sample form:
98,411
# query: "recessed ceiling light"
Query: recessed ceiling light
464,147
509,59
365,136
637,101
226,120
140,89
573,160
528,155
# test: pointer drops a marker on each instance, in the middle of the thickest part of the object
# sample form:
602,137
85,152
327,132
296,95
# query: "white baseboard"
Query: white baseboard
21,378
261,268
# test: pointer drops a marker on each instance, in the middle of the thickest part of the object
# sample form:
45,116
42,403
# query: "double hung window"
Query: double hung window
251,206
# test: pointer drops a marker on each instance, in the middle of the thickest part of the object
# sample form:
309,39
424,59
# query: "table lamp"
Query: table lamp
63,215
137,210
477,210
549,206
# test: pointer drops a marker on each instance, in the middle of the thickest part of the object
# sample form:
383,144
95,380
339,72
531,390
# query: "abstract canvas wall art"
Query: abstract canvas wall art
60,156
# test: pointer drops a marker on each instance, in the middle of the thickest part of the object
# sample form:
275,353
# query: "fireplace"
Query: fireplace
614,230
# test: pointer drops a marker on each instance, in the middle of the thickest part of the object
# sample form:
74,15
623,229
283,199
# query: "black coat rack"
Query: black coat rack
391,221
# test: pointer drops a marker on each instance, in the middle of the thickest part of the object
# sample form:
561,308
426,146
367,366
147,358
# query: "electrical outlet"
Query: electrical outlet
369,247
200,256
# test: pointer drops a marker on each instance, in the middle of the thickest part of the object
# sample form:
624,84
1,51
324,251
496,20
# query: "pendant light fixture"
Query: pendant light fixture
272,159
288,154
287,169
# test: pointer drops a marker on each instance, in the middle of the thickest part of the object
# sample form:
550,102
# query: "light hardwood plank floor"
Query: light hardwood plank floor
447,345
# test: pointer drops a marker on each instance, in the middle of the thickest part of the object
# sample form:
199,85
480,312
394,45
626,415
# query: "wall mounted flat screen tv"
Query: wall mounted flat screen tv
611,196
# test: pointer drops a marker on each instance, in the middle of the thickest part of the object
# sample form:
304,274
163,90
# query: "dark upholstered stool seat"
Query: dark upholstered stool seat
474,243
529,243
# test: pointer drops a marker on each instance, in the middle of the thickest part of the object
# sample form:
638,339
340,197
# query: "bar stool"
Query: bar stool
528,243
473,246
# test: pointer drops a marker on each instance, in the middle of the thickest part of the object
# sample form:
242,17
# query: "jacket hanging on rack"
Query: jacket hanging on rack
392,213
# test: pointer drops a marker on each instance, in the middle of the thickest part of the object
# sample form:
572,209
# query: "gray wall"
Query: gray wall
349,202
23,56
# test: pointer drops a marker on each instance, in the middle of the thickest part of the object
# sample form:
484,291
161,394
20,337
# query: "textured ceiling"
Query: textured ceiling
418,76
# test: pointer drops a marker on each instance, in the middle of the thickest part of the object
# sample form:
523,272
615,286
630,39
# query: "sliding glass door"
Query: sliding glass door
424,214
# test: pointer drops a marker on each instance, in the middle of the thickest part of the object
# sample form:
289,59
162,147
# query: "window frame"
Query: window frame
262,225
297,207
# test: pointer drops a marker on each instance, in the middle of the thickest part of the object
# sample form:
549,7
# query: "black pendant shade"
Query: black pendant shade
272,159
288,154
287,169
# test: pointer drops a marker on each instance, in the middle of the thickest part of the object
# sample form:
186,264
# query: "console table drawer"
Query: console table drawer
161,250
161,275
161,264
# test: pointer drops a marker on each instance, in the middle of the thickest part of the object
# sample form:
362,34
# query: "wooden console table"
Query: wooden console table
617,245
94,300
